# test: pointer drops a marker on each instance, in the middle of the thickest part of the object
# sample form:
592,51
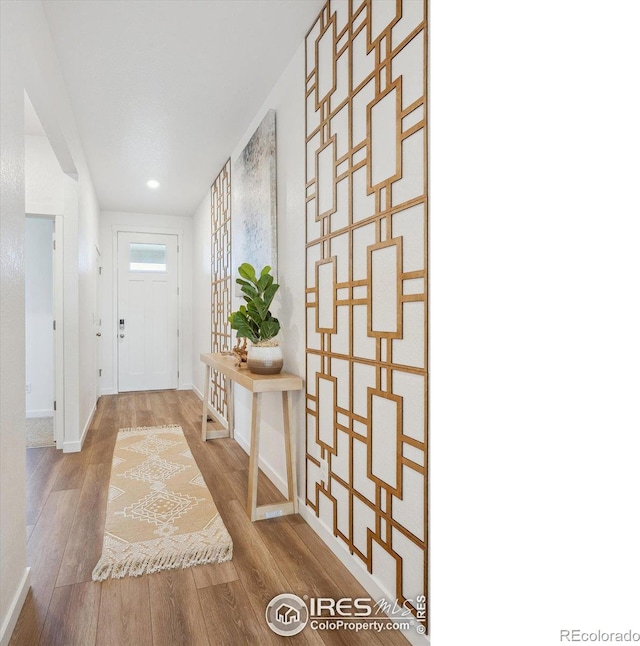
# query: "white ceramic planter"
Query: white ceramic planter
264,359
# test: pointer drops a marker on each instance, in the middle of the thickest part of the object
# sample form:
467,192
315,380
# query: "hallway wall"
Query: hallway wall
394,570
201,311
29,62
44,189
366,288
85,264
287,99
13,558
50,191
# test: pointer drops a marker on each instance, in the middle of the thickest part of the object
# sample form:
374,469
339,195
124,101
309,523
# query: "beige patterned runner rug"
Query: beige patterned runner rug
160,514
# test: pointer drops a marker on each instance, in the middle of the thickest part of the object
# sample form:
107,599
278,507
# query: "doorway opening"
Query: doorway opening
43,331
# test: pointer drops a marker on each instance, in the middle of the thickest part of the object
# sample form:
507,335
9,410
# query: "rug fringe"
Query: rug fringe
136,565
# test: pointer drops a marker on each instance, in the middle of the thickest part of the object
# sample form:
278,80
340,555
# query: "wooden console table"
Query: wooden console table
256,384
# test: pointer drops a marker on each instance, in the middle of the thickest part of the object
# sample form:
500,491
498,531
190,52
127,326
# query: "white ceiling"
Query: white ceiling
165,90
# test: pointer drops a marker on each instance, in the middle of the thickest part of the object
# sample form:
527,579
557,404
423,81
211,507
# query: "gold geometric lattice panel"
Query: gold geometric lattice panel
220,282
366,284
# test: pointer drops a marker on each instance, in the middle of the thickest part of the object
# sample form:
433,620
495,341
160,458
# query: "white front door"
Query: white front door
147,317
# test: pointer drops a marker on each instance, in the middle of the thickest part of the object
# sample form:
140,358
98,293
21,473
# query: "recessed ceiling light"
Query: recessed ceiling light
153,183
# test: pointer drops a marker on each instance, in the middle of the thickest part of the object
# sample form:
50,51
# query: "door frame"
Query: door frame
97,322
119,228
58,337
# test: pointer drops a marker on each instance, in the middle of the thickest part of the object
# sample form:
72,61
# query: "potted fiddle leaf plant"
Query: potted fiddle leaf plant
255,322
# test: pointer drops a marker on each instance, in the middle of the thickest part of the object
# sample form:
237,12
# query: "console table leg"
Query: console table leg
290,451
253,457
230,407
205,403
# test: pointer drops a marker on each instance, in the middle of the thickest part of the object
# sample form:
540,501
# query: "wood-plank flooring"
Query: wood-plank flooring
221,604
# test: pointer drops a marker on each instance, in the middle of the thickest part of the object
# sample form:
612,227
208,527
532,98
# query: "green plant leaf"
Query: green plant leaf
247,272
253,312
269,293
254,320
259,306
243,327
249,290
262,283
269,329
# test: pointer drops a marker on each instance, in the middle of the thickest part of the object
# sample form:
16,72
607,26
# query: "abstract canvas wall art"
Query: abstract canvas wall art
254,222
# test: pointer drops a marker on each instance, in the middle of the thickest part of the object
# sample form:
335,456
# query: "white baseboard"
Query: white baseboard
186,387
197,392
267,469
72,447
356,569
108,391
16,606
31,414
76,445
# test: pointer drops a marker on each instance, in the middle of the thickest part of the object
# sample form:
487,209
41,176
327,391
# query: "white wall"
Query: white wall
39,316
45,85
110,221
201,313
44,189
29,62
287,98
50,191
13,557
86,259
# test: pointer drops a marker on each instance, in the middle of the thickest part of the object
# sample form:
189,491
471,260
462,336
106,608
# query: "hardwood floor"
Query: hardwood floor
220,604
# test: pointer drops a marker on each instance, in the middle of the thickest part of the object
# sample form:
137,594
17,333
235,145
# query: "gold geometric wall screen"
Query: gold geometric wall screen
366,284
220,283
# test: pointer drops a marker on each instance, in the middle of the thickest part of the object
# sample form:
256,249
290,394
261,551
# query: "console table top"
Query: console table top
225,364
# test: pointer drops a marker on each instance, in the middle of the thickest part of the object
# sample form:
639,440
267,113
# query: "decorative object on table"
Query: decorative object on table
254,221
239,351
255,322
160,514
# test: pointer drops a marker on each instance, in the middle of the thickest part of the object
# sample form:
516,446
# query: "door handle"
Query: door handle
98,333
122,336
